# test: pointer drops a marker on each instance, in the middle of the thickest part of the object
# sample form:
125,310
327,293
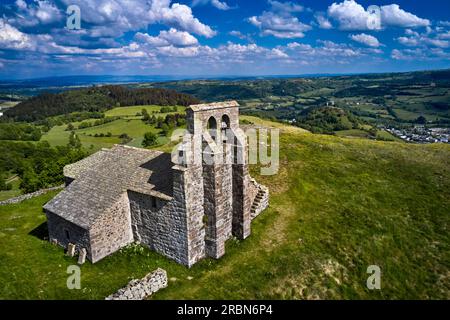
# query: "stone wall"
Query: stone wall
191,182
161,225
140,289
65,232
29,196
111,231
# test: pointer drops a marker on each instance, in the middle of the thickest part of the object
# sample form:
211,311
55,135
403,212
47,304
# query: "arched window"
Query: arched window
225,123
212,127
212,123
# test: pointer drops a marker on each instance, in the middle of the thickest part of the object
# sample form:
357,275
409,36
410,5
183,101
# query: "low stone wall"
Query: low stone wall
140,289
29,196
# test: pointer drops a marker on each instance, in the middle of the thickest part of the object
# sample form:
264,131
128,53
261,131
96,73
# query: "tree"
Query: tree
74,141
125,138
150,139
145,115
421,120
165,129
70,127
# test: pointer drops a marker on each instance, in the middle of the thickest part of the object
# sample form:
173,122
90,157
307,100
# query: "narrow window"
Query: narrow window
154,204
67,234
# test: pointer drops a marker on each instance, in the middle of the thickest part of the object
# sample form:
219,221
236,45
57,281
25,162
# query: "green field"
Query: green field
353,133
14,192
337,206
134,110
128,123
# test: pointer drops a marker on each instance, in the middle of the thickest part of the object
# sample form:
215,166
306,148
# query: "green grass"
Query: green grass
406,115
57,136
386,136
354,133
128,123
132,111
14,192
337,206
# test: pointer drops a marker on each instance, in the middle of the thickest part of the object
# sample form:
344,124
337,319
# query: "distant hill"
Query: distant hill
94,99
327,120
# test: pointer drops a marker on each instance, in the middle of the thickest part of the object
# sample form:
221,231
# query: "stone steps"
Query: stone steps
260,202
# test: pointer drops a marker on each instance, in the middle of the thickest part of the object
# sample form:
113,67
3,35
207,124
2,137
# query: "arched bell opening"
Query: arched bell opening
212,127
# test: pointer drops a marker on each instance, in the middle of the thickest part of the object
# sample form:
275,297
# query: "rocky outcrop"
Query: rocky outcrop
140,289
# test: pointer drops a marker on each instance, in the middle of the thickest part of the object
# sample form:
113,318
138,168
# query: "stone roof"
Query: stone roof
214,106
102,178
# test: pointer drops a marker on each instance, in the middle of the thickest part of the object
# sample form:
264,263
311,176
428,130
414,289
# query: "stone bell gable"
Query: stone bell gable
184,206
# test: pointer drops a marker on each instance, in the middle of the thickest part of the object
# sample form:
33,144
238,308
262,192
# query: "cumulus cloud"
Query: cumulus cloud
240,35
12,38
38,12
167,38
365,39
352,16
221,5
323,21
285,7
393,15
429,38
280,21
114,17
420,54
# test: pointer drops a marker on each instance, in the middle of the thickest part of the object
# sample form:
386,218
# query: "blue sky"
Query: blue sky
222,37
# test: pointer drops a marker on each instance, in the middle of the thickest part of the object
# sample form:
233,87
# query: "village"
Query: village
422,134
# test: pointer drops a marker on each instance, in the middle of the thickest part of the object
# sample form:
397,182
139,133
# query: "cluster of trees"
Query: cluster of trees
169,122
48,123
87,124
19,131
168,109
327,120
125,138
38,165
101,135
150,139
92,100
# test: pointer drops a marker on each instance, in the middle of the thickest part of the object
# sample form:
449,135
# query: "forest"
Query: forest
93,99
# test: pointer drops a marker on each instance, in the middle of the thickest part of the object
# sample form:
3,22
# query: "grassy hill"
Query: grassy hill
127,122
337,206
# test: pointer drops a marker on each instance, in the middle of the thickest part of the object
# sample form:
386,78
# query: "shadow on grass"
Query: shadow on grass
40,232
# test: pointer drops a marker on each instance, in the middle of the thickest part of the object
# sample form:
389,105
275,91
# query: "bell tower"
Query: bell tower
217,149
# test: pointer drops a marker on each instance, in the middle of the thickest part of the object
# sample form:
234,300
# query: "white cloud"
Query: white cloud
420,54
285,7
366,39
352,16
393,15
221,5
323,22
38,12
429,38
277,53
240,35
21,4
279,25
167,38
12,38
113,17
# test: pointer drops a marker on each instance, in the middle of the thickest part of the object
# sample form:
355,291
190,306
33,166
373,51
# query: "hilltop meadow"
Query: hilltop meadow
337,206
